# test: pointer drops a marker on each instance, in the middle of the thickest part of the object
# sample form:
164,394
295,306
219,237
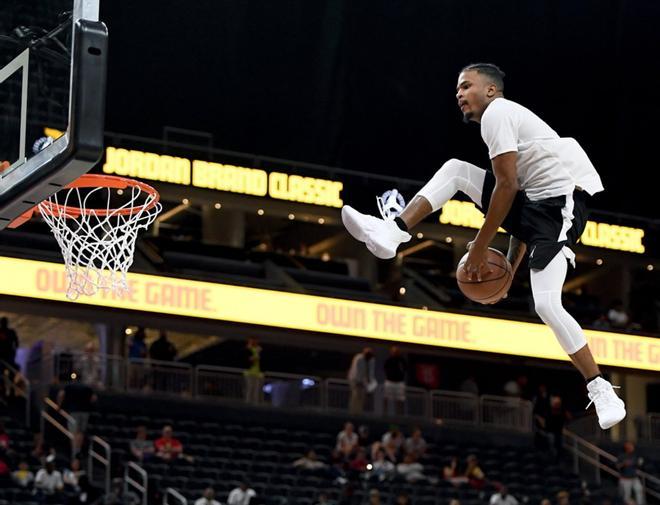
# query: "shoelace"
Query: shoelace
598,393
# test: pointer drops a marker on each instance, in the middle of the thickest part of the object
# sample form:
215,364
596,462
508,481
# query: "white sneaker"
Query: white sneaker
609,407
381,237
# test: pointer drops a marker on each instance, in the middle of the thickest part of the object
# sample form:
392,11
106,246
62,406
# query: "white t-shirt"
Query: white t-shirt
204,501
49,482
497,499
240,497
547,164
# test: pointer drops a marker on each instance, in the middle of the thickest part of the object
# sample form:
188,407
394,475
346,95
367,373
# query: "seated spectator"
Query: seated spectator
169,448
415,444
359,463
241,495
374,497
347,440
450,472
309,462
322,500
141,448
454,501
563,498
475,475
364,436
208,498
381,468
4,439
503,497
48,482
410,470
402,499
391,443
23,477
617,315
71,476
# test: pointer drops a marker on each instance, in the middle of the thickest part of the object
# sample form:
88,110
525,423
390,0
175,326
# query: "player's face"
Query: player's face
472,95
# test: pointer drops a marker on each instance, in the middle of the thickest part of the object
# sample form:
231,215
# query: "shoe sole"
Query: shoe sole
613,422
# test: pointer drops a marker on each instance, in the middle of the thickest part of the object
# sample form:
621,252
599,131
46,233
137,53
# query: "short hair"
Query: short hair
490,70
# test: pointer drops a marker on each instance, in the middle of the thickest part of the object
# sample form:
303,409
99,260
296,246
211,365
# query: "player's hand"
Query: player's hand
476,263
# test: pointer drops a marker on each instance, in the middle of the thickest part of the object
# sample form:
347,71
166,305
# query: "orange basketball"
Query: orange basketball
493,286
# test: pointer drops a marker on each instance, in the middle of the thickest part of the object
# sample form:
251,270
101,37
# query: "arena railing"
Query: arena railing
104,459
68,431
505,413
13,379
153,376
454,407
175,495
588,458
303,391
653,427
133,472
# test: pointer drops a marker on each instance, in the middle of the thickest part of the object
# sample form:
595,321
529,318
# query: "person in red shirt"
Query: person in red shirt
168,448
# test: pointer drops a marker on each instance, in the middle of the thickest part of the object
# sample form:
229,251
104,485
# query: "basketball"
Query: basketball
492,286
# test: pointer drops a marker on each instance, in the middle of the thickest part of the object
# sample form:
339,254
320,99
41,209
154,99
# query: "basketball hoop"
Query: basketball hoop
95,220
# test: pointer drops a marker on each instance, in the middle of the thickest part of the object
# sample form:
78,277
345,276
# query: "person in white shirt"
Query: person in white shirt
208,498
48,480
347,439
537,191
241,495
503,498
410,469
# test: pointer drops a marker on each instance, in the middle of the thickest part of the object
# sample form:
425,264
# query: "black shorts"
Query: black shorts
540,223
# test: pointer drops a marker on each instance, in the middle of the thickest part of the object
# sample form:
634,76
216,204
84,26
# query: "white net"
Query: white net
97,234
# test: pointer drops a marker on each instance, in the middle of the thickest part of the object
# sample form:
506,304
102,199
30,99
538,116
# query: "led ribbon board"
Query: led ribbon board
185,297
222,177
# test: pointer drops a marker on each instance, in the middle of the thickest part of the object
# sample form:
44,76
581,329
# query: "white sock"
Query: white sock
453,176
546,289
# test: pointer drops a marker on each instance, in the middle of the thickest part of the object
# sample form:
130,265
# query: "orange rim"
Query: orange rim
103,181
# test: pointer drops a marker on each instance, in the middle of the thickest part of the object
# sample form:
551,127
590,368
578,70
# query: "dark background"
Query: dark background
369,85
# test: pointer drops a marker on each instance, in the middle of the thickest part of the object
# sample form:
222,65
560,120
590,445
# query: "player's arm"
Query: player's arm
506,187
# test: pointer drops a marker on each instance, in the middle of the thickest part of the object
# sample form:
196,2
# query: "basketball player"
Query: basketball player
537,190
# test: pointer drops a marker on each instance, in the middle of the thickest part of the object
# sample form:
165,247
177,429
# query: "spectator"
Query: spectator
48,482
402,499
415,444
78,400
391,443
4,439
411,470
395,382
208,498
618,316
503,497
359,463
474,473
167,447
563,498
71,476
138,347
517,388
254,378
241,495
23,477
347,440
362,379
554,425
322,499
381,468
364,435
8,344
454,501
470,385
451,474
4,470
309,462
90,366
141,448
628,463
162,349
374,497
545,501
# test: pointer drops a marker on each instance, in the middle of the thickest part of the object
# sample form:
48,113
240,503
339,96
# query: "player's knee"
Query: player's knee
546,308
452,166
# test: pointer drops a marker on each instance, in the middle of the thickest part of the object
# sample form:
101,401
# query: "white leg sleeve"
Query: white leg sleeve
454,176
546,289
